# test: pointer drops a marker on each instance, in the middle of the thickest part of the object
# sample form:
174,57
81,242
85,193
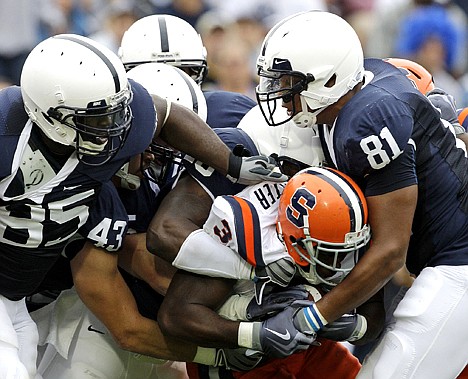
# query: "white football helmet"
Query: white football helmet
164,39
173,84
316,55
77,92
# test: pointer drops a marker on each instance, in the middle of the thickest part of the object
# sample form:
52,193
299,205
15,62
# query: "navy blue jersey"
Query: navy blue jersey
44,198
389,136
108,222
214,183
141,205
226,109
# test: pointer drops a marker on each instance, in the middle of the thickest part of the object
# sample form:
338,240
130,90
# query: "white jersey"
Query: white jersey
246,223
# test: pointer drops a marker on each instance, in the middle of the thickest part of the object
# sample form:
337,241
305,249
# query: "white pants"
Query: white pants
18,340
429,339
83,348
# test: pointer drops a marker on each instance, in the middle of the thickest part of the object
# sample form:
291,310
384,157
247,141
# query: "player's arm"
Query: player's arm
390,219
184,130
103,290
183,210
189,310
138,261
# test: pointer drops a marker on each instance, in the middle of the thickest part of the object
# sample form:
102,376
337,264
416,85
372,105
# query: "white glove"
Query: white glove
252,170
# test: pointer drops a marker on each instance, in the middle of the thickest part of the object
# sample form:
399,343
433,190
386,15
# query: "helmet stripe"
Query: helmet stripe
99,53
347,193
163,33
193,95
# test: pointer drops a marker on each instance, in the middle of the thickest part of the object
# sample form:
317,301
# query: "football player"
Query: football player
389,138
67,130
123,313
246,224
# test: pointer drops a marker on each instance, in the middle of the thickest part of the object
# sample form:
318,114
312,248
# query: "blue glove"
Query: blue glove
278,337
349,327
279,273
275,302
240,359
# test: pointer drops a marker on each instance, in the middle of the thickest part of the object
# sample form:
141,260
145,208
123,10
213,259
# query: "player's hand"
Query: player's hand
240,359
349,327
254,169
275,302
308,319
278,337
279,272
447,107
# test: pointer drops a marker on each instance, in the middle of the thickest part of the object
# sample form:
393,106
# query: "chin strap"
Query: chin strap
305,119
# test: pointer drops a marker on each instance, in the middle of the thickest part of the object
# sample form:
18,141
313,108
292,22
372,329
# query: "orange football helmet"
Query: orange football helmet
417,74
322,220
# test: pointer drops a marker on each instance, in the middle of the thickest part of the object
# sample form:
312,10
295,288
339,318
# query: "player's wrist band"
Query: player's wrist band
314,318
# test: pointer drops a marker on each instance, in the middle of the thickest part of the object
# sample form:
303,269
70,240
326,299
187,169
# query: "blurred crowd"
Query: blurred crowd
430,32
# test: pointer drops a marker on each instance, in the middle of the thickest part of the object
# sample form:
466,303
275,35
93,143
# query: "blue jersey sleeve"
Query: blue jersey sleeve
108,221
369,140
226,109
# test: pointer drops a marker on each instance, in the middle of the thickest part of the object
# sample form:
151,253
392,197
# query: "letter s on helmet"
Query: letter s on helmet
322,220
316,55
77,92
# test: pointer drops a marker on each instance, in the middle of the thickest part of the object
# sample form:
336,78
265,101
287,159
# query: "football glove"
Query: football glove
309,319
278,337
349,327
446,105
248,170
275,302
279,272
240,359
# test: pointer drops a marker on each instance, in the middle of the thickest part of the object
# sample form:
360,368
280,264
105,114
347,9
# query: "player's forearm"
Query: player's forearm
185,131
364,281
132,331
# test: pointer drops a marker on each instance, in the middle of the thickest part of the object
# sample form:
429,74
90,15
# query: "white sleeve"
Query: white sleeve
201,254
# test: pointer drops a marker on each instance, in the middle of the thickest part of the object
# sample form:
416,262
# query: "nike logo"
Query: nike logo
280,61
286,336
65,188
91,329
